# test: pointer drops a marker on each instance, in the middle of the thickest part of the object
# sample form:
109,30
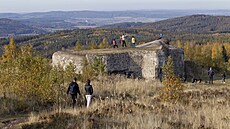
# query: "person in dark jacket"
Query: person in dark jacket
73,90
89,92
223,77
210,74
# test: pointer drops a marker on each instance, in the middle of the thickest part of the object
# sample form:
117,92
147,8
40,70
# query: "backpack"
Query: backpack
210,73
72,88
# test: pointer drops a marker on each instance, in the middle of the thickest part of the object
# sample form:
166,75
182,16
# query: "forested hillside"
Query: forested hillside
47,44
8,26
188,24
193,24
60,20
50,43
213,28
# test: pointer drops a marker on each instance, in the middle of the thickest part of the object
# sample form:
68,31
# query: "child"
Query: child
223,77
114,43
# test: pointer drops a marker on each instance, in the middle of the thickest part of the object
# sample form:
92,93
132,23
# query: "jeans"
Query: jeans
133,45
74,97
88,99
211,80
123,43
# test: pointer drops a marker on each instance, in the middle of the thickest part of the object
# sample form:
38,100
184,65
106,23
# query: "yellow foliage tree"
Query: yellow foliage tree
26,51
10,51
78,46
206,55
179,44
104,44
216,55
186,51
93,45
198,54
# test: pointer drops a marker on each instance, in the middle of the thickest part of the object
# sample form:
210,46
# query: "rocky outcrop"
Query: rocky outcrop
145,61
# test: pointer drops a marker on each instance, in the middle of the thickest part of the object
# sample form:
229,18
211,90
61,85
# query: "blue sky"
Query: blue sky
20,6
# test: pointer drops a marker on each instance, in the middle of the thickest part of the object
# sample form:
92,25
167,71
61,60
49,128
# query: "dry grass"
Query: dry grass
134,104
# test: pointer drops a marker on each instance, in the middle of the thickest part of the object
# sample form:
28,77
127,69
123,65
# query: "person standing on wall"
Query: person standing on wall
161,36
123,40
114,43
133,40
89,92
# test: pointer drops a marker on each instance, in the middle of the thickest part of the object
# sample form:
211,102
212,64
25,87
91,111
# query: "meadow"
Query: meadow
121,103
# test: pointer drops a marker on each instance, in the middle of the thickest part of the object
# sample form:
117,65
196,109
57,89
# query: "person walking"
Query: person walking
73,90
133,40
89,92
114,43
210,74
161,36
123,40
223,77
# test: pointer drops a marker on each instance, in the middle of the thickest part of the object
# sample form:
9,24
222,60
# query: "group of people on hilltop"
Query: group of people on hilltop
123,41
74,90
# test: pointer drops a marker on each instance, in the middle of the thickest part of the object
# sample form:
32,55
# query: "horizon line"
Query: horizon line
25,12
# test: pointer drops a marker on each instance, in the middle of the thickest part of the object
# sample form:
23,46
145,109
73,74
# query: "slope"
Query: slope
8,26
188,24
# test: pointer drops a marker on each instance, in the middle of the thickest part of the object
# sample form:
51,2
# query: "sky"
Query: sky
23,6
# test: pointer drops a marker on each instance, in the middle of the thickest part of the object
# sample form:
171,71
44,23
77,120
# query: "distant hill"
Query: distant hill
193,24
59,20
124,25
188,24
8,26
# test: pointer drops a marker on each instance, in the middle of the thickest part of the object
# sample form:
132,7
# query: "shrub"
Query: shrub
90,70
172,87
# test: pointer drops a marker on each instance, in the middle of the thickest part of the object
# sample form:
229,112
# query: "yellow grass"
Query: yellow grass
134,104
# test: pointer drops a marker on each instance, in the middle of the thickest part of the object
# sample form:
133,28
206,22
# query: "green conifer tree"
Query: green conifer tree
172,87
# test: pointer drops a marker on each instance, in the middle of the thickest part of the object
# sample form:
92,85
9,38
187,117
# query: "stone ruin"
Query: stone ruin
144,61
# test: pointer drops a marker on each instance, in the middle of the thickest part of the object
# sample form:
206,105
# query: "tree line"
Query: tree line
214,55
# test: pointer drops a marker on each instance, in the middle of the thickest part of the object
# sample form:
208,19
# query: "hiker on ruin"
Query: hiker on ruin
73,90
133,40
114,43
123,43
223,77
121,39
161,36
89,92
210,75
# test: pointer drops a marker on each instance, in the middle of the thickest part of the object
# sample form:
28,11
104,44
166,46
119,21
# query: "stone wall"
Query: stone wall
143,63
64,58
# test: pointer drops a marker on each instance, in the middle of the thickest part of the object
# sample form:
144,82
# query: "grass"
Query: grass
126,103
